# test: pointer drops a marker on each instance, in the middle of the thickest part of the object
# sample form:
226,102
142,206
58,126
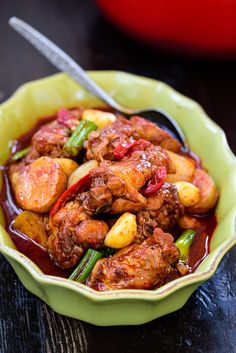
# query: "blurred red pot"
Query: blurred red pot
198,26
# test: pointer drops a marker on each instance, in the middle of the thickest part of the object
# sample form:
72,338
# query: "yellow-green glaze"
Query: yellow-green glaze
124,307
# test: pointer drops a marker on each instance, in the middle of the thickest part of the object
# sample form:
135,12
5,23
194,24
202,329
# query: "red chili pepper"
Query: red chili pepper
120,151
68,118
128,148
155,183
80,186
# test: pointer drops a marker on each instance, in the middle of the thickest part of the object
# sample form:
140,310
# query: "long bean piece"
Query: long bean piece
86,265
76,141
183,243
20,154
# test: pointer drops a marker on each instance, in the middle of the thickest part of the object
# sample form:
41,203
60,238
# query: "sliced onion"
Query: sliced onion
80,172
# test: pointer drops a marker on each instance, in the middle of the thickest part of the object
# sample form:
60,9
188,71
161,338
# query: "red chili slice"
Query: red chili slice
128,148
120,151
68,118
155,183
80,186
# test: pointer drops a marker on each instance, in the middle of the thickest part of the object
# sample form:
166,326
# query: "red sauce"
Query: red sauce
201,244
39,255
36,253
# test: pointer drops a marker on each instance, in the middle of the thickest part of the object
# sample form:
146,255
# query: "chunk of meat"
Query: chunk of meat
101,143
40,184
49,141
91,233
141,165
139,266
110,193
115,186
187,222
132,202
51,137
151,132
72,213
163,210
72,232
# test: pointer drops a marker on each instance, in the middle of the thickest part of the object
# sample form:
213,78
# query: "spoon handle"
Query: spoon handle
62,61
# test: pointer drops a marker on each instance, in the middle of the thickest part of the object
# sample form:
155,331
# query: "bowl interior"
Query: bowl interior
44,97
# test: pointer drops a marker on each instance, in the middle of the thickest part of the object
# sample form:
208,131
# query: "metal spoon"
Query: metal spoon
65,63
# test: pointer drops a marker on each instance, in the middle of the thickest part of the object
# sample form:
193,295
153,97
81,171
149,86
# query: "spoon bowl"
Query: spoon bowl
165,122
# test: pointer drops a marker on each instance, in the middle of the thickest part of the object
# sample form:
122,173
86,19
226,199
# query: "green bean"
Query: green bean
85,266
76,141
183,243
20,154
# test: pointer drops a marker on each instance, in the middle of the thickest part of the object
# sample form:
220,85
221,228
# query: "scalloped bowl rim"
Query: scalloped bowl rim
138,294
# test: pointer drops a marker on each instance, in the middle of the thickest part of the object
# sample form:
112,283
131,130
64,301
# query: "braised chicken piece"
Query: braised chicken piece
110,193
163,210
188,222
72,232
49,141
139,266
101,143
115,186
50,138
141,165
151,132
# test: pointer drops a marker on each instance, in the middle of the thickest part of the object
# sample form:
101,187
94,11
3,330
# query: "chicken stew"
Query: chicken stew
108,202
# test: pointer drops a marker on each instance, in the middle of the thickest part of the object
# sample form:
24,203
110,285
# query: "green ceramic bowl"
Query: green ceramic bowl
123,307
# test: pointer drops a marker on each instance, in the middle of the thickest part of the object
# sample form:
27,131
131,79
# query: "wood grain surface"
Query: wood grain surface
207,323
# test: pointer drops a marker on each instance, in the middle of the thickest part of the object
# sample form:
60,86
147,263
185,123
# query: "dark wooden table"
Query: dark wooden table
207,323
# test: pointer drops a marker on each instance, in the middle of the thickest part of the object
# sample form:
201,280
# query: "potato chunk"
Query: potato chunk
32,224
123,232
98,117
67,164
188,193
184,168
40,185
208,192
15,171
